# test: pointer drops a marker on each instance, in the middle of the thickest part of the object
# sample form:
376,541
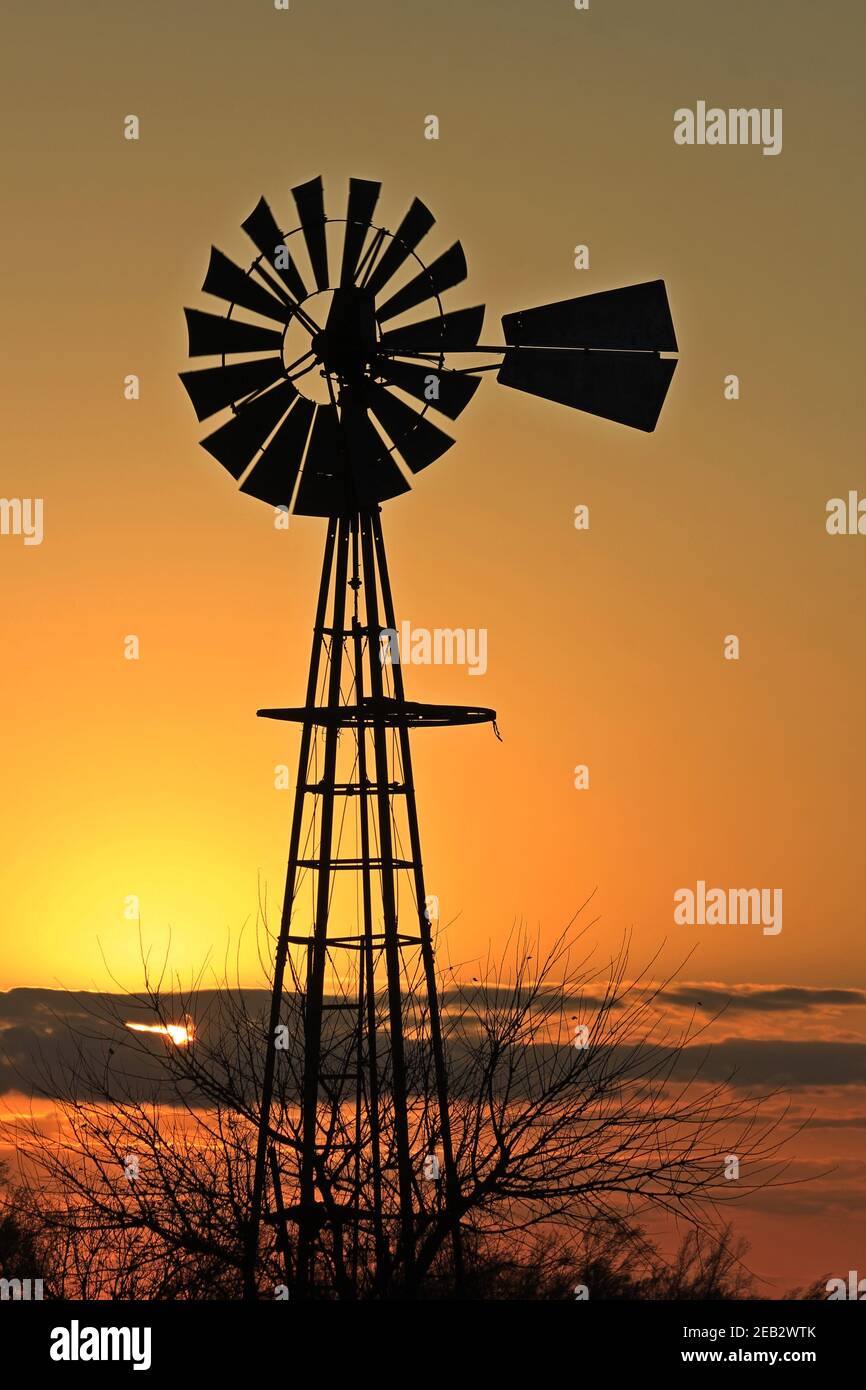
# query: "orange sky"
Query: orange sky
605,647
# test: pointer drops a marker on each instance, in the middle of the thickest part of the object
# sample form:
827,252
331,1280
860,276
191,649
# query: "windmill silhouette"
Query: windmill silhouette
330,379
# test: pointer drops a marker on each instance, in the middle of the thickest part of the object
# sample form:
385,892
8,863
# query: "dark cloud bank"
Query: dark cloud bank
43,1031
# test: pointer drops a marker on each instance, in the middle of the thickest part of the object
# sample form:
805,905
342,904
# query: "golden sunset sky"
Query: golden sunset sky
154,778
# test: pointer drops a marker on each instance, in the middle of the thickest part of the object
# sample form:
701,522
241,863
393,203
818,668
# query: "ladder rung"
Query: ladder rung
362,629
354,788
356,864
354,943
349,943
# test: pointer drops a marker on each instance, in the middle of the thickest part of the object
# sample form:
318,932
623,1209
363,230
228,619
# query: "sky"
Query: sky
152,779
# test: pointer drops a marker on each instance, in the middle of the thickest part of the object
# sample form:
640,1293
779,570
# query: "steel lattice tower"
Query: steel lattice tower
355,604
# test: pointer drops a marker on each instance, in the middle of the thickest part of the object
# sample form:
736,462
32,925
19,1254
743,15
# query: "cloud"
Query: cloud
55,1043
48,1036
834,1122
762,998
776,1063
710,996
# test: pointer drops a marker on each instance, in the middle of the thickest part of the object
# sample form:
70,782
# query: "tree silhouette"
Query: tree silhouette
577,1107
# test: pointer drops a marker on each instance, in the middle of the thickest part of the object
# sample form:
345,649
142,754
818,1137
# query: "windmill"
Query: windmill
331,365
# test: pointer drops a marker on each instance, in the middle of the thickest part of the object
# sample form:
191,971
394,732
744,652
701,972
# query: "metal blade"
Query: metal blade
447,270
227,281
261,227
453,332
375,473
323,487
213,388
635,318
328,485
310,202
415,225
447,391
273,478
629,387
213,333
363,196
418,440
236,443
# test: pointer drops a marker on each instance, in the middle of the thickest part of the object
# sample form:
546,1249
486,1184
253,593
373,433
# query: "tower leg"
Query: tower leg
368,987
389,909
452,1187
282,951
308,1224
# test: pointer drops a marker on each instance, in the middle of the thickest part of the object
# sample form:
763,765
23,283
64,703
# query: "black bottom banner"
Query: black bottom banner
85,1341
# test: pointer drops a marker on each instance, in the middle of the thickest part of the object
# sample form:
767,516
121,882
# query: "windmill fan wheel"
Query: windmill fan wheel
326,371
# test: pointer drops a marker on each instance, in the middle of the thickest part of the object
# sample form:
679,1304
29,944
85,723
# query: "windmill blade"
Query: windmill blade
453,390
211,334
363,196
261,227
419,441
376,476
310,202
213,388
415,225
236,443
227,281
633,319
326,487
273,478
443,273
629,387
322,490
455,332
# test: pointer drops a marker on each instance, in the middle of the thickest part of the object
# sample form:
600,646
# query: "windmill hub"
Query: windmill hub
348,340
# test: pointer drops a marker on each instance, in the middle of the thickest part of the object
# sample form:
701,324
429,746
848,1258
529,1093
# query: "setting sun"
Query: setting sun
181,1034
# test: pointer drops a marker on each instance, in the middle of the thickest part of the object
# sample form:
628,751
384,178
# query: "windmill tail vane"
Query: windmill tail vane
335,374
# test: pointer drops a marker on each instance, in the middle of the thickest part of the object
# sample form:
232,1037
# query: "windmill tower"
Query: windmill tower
329,380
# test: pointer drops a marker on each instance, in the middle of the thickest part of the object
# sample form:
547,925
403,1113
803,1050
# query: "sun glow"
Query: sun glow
181,1034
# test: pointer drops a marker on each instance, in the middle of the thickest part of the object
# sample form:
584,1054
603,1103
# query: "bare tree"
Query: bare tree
576,1107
